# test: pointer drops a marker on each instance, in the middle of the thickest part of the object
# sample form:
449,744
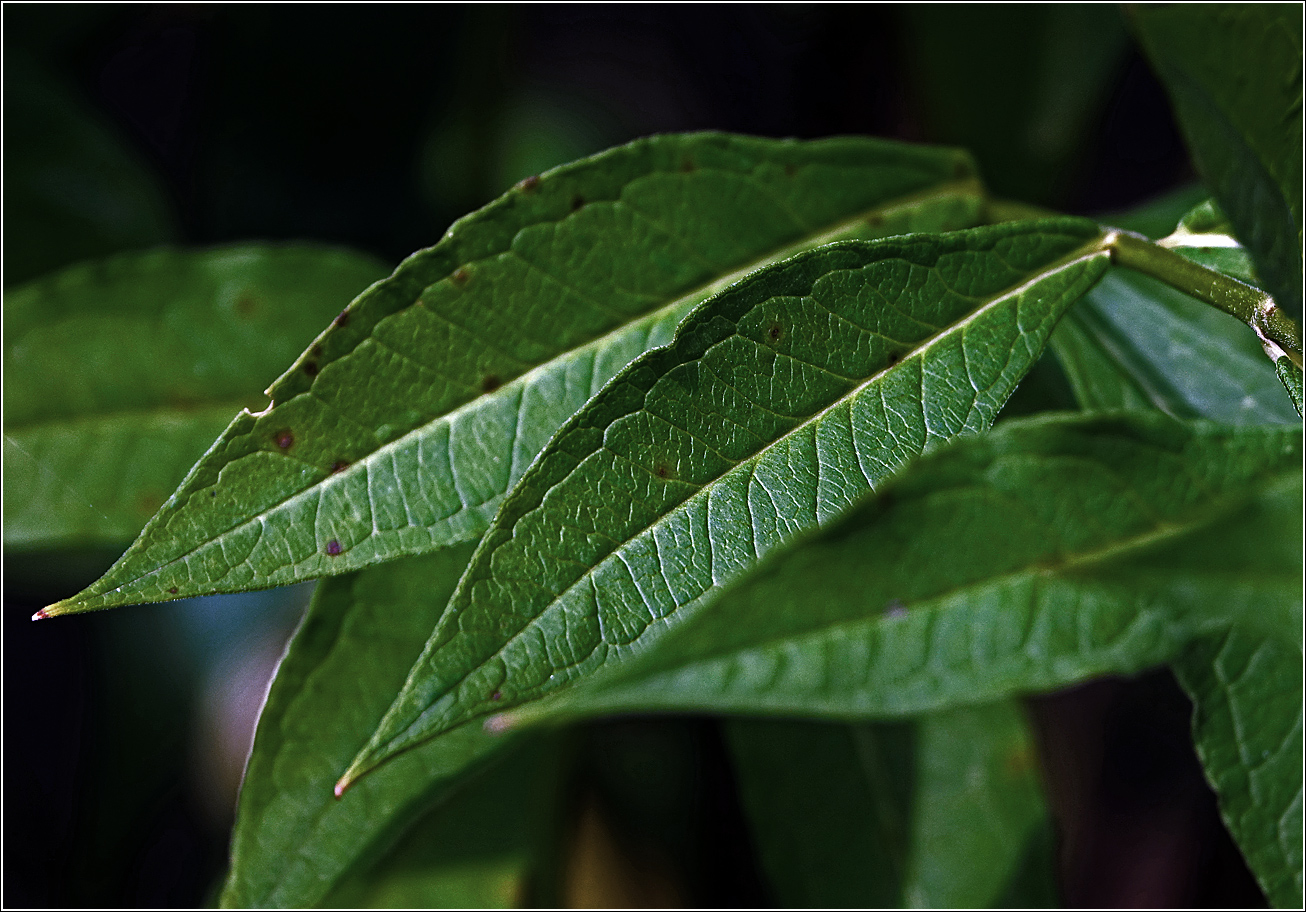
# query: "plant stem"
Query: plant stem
1251,305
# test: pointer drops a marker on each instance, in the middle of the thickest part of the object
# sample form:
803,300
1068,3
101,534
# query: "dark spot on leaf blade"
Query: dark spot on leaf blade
490,383
342,318
284,439
333,547
339,466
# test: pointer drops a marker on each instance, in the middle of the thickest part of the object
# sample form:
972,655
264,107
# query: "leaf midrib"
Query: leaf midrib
1082,254
952,190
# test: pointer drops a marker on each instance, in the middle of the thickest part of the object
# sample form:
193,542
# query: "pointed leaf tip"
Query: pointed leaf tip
341,785
40,615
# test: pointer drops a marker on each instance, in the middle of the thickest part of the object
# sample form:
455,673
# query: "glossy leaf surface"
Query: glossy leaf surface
293,840
1078,546
119,374
1234,74
780,401
1247,724
399,431
936,812
1133,342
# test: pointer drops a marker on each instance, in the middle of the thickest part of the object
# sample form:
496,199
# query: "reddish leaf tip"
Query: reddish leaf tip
343,784
41,615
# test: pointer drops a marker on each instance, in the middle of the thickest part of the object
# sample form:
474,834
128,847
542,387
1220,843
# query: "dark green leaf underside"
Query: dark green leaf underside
404,424
1234,73
937,812
780,401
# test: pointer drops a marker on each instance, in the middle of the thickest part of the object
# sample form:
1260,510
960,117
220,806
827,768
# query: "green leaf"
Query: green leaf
480,849
293,841
1134,342
73,188
1247,725
1291,377
402,428
780,401
936,812
120,372
1234,74
1077,546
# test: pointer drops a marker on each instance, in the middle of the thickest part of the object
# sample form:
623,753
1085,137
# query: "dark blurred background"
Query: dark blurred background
377,126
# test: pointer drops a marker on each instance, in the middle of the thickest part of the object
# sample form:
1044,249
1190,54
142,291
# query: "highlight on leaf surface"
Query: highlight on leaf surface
401,428
780,401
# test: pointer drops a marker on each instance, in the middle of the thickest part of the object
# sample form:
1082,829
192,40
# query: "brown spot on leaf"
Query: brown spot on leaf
894,357
496,696
875,220
341,318
490,383
775,332
310,368
172,590
285,439
148,502
333,547
662,470
459,277
530,184
577,202
246,305
339,466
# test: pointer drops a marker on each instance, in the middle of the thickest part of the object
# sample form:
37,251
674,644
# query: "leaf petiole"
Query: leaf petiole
1276,330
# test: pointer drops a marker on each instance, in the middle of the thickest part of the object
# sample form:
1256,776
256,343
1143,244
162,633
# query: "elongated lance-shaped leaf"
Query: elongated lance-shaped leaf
781,400
402,427
1234,73
1247,725
293,841
1077,545
937,812
120,372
